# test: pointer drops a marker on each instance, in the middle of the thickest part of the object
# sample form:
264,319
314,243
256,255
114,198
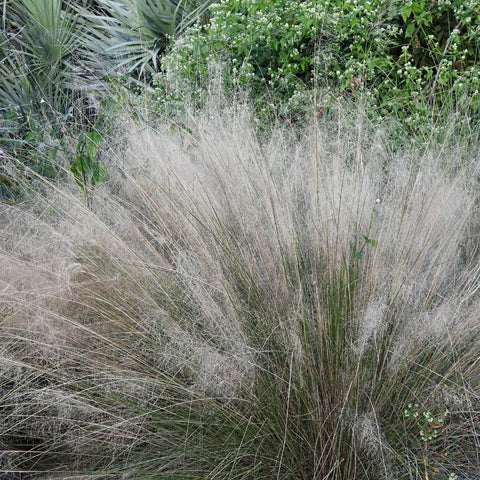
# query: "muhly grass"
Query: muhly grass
307,308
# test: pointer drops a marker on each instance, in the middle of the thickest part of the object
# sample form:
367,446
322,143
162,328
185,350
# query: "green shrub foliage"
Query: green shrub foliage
414,59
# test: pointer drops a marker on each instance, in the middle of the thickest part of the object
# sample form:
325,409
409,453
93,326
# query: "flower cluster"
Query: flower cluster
408,58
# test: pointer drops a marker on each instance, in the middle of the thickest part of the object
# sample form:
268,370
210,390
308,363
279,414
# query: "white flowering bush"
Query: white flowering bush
435,69
267,46
414,59
279,49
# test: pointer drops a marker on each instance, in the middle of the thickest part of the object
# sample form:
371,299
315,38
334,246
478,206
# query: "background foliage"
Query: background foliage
416,60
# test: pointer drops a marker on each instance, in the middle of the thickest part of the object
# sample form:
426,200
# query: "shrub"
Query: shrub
264,45
230,310
416,60
435,69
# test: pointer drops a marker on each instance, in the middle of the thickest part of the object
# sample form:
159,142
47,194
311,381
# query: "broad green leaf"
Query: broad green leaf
92,143
406,13
409,30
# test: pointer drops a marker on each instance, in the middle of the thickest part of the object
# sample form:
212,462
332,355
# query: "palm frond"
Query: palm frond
135,32
35,66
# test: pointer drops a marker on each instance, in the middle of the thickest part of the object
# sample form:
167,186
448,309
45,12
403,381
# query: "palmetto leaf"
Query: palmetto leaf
34,65
136,31
15,87
49,31
158,17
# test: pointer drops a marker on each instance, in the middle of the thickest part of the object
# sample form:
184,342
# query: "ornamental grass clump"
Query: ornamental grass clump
306,308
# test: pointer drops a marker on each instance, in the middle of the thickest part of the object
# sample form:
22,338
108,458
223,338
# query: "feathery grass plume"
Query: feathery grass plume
223,310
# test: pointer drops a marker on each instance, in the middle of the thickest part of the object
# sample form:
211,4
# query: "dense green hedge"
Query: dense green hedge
415,59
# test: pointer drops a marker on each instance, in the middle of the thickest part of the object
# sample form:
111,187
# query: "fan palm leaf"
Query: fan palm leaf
16,89
135,32
34,67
